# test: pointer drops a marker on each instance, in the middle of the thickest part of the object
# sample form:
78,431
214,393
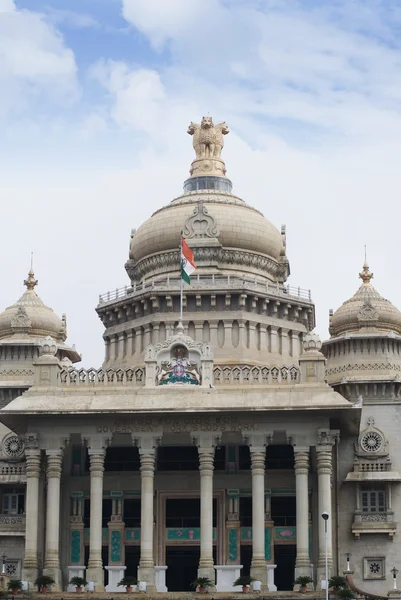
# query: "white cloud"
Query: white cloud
162,20
33,59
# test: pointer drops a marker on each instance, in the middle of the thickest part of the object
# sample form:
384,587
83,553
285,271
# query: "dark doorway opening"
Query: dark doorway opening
185,512
246,559
105,560
284,558
132,555
182,563
284,510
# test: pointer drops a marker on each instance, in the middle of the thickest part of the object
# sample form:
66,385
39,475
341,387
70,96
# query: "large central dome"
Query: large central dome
226,234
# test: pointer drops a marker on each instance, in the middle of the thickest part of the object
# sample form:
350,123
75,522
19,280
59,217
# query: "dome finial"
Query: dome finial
208,142
366,275
30,281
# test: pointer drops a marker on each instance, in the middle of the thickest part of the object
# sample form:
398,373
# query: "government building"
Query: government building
219,428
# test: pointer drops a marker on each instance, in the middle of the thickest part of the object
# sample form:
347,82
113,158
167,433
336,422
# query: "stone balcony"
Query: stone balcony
12,473
215,283
11,525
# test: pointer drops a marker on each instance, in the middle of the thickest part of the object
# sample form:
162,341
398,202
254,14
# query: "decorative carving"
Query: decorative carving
208,139
247,374
367,314
75,547
200,224
158,263
120,377
364,367
13,446
21,320
131,244
179,369
47,346
371,442
312,342
115,542
31,441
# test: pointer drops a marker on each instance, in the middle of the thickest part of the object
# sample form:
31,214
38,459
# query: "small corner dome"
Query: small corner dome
367,311
29,317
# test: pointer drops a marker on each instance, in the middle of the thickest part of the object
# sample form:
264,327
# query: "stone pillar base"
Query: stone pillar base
210,573
30,574
160,578
321,577
115,575
75,571
271,587
147,574
259,573
55,573
96,575
226,575
4,581
307,571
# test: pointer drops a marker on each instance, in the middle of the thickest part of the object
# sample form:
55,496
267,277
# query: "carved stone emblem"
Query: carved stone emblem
367,313
21,319
200,224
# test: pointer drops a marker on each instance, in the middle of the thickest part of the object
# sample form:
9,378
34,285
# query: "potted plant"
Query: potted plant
303,581
44,582
202,583
128,582
79,583
244,581
15,586
346,594
337,582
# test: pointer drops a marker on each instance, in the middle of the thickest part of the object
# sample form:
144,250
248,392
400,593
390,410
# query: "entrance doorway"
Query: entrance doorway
132,556
182,563
284,557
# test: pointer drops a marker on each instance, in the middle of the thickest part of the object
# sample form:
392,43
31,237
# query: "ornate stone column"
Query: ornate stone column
206,446
257,448
147,453
95,564
32,457
52,557
326,440
302,564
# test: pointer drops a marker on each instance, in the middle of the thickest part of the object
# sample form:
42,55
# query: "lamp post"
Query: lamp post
325,517
3,568
394,571
347,557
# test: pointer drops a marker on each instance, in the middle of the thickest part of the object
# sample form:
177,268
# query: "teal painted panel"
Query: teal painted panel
75,556
132,535
246,534
115,543
187,534
233,545
285,533
268,541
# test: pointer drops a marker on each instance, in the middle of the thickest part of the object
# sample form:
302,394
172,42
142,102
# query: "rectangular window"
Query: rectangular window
373,501
13,504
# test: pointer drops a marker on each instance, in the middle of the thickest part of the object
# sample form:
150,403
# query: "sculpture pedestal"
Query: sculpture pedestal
225,576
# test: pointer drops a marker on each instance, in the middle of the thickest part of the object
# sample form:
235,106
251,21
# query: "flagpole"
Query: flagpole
181,282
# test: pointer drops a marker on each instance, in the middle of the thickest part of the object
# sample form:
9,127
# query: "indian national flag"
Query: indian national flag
187,261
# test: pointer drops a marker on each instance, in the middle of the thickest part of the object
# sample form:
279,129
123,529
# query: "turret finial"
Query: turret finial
366,275
30,281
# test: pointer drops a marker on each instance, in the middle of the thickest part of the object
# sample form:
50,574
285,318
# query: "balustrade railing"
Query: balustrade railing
203,282
12,522
223,375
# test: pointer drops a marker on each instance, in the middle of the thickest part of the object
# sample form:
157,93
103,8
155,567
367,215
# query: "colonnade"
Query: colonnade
147,445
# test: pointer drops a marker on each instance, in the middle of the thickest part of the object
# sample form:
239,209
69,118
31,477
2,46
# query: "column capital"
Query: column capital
147,443
31,441
327,437
258,442
206,442
96,443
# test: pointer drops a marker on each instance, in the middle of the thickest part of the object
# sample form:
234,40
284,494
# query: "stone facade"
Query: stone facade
209,446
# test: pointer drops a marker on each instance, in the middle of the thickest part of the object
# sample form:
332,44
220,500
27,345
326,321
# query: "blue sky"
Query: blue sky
96,99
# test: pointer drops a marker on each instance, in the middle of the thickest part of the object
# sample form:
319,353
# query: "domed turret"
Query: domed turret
365,344
366,310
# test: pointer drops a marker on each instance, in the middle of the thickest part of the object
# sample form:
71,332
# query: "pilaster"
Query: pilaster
52,550
302,564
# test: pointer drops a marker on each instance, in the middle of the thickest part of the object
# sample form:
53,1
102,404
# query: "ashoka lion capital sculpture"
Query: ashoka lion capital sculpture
208,143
